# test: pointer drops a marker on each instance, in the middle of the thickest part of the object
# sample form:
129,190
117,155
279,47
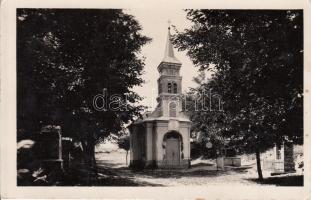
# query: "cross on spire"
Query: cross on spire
169,52
169,24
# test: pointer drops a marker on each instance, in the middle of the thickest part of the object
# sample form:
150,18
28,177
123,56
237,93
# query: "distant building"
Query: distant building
162,137
284,158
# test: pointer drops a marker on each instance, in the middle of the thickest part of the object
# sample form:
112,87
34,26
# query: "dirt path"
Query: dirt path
113,165
113,171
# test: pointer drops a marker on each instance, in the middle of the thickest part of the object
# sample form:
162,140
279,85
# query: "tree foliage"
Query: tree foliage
256,60
67,56
124,143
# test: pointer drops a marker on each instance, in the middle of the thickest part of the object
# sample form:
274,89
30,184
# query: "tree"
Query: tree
205,108
257,60
67,56
124,143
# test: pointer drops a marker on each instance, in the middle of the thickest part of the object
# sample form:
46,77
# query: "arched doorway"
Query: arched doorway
173,148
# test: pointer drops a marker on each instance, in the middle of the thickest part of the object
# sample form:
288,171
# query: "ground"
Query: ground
113,171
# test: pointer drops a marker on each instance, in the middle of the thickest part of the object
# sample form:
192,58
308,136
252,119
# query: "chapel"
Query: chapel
162,138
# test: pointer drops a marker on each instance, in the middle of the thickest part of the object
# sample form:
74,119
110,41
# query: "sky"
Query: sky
154,24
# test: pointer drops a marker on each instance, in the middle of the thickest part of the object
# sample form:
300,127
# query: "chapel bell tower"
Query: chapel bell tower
169,82
161,138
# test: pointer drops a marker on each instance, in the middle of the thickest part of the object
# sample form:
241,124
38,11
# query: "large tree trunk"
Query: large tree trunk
260,177
91,155
94,165
89,152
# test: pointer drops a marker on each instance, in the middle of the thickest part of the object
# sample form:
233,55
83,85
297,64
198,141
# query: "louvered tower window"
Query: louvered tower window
175,88
169,87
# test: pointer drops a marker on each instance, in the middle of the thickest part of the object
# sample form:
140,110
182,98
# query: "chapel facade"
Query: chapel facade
162,138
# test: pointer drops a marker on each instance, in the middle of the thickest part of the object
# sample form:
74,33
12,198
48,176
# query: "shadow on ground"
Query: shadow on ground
163,173
293,180
177,173
118,177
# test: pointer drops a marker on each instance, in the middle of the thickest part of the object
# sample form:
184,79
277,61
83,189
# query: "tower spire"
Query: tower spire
169,51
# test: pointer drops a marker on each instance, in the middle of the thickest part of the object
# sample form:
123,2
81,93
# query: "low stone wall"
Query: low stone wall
232,161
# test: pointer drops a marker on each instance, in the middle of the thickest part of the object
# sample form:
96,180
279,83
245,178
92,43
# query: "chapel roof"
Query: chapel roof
169,56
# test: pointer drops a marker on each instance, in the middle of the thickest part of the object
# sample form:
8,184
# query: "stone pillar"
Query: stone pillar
187,144
284,158
149,144
50,141
66,148
161,129
154,144
279,159
133,144
289,164
220,164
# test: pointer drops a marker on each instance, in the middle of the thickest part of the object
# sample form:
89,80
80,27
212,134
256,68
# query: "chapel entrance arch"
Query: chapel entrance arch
172,142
